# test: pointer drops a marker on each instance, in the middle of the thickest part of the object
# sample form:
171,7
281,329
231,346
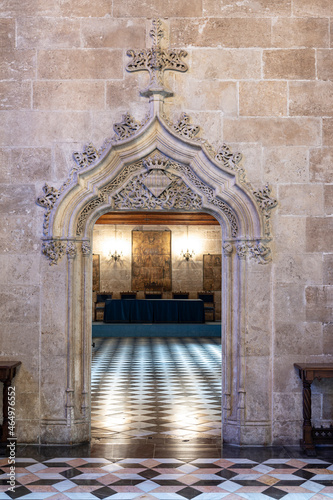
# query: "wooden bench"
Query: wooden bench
308,373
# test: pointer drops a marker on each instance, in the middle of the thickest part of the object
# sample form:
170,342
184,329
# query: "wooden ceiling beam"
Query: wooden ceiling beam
156,218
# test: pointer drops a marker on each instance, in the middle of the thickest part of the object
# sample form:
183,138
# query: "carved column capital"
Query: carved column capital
242,250
86,249
71,250
227,249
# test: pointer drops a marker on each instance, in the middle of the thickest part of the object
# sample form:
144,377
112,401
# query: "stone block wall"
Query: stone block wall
260,79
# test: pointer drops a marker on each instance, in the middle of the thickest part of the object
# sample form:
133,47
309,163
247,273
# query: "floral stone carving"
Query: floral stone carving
266,204
88,156
53,250
157,190
156,60
86,248
71,250
127,127
260,252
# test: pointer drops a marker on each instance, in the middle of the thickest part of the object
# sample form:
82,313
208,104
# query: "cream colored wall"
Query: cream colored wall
259,79
186,276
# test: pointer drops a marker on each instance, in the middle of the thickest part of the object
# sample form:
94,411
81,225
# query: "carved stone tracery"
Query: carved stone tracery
149,183
137,196
209,193
157,189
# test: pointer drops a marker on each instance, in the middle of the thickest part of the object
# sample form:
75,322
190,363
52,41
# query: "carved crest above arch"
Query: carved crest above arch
157,164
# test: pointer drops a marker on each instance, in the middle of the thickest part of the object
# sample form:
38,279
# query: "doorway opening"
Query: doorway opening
156,383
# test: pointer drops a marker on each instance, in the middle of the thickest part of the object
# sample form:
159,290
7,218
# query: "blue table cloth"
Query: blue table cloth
154,311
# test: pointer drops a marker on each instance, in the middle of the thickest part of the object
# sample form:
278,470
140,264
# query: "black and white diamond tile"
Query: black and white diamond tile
173,479
156,388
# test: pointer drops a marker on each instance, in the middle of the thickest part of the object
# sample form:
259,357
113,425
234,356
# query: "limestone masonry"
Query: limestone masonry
259,79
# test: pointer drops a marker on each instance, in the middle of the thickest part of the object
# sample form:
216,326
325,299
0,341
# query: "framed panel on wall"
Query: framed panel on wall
151,260
96,272
212,272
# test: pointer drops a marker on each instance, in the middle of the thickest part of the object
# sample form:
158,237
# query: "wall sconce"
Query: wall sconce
187,255
115,256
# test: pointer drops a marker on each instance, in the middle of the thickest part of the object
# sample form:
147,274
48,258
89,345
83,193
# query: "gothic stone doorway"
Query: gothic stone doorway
155,168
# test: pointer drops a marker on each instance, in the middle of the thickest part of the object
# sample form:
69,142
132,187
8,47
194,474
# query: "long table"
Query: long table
154,311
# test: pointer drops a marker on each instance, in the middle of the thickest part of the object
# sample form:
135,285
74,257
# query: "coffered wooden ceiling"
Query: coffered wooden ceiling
156,218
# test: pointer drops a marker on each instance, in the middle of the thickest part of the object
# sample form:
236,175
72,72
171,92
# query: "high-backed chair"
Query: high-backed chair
153,295
209,304
180,295
128,295
100,304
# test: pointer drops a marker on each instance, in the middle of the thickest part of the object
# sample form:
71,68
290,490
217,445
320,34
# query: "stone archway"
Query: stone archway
154,165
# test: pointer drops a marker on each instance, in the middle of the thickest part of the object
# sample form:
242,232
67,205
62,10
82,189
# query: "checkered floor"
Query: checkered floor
163,390
156,388
169,479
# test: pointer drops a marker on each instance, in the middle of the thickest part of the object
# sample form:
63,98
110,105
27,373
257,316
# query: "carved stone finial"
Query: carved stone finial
127,127
51,195
264,200
184,128
53,250
156,32
88,156
156,60
266,203
229,159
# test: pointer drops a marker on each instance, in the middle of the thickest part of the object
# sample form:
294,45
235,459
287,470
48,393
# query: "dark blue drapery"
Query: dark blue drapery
154,311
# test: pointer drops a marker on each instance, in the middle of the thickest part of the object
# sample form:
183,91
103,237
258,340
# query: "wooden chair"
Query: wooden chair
180,295
209,304
153,295
128,295
100,304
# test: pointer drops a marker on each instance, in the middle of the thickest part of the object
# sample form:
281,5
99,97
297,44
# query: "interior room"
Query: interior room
168,363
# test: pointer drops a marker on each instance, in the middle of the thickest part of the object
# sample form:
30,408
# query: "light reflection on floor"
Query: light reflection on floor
156,389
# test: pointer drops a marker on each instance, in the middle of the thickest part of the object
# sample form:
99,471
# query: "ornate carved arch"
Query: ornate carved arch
155,165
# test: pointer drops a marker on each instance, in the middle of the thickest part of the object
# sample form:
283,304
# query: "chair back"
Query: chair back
153,295
180,295
206,297
103,296
128,295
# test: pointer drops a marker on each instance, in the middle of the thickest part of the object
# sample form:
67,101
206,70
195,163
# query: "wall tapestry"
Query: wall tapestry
212,272
96,273
151,260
